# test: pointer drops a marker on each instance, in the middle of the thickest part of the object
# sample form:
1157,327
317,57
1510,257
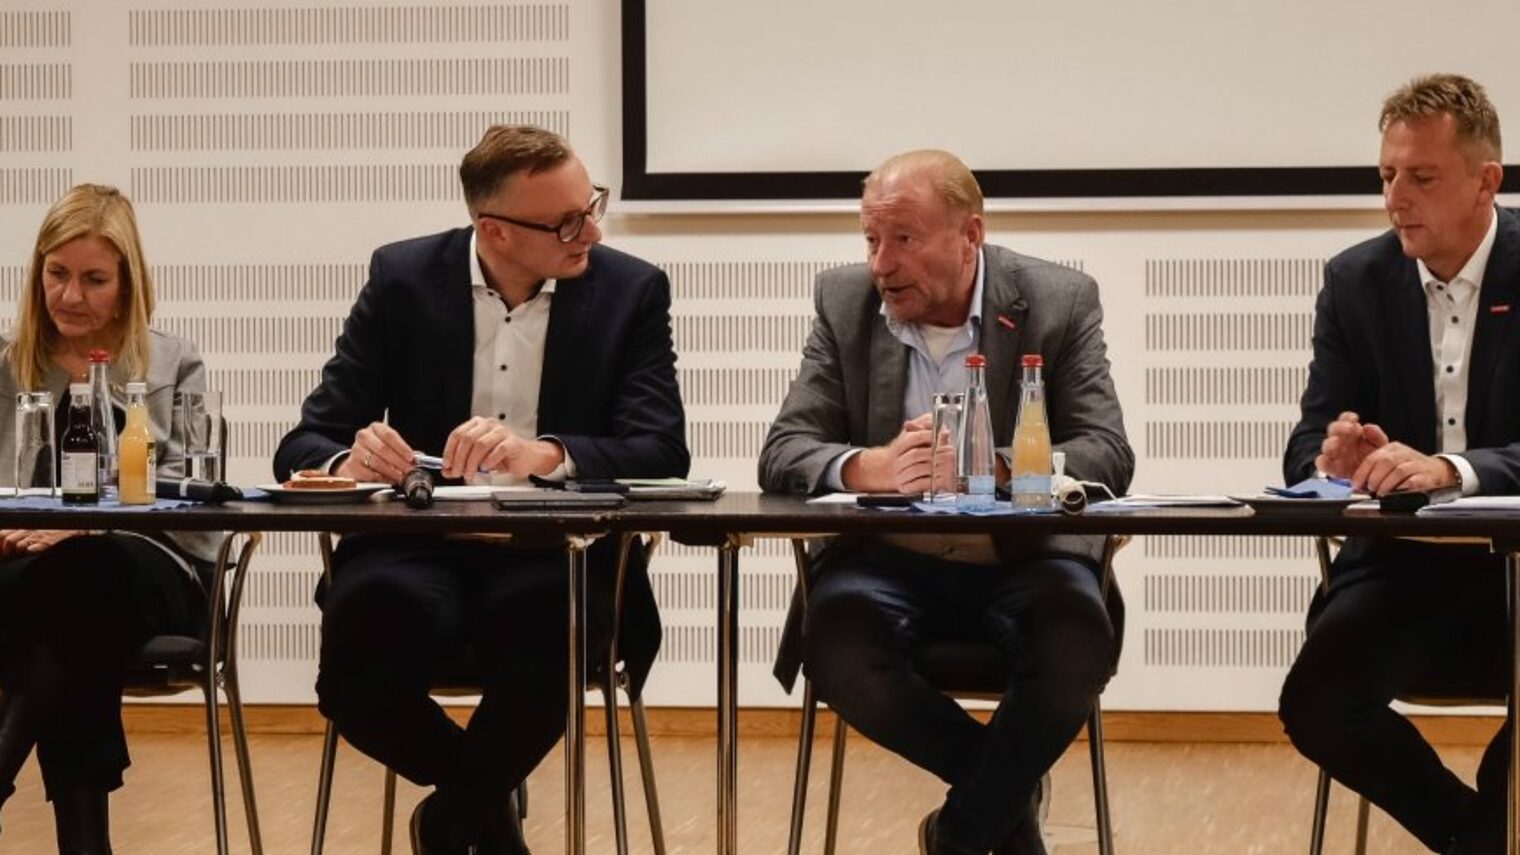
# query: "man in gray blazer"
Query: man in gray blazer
888,335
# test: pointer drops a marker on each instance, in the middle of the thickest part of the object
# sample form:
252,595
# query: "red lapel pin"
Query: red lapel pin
1008,323
1499,309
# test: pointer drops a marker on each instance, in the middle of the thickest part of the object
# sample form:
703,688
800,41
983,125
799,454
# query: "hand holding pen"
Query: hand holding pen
378,454
486,445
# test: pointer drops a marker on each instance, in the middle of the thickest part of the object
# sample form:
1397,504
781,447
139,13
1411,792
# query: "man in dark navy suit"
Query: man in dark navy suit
1413,387
516,348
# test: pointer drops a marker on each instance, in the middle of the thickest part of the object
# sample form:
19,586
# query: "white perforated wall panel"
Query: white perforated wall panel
270,147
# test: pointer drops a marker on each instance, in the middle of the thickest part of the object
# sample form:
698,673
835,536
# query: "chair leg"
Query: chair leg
804,765
218,783
836,785
1361,825
387,829
646,771
1321,811
244,758
1100,779
615,766
324,788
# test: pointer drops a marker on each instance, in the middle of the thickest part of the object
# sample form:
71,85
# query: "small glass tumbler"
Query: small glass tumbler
36,464
198,433
948,407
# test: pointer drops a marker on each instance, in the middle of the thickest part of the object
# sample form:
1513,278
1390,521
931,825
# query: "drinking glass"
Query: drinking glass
36,456
948,407
199,433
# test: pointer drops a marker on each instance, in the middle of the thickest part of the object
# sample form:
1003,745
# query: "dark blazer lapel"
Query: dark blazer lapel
569,311
1408,320
1001,299
456,351
1498,300
889,380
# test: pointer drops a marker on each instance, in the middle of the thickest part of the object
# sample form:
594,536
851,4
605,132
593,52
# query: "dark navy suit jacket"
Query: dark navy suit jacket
1372,356
608,391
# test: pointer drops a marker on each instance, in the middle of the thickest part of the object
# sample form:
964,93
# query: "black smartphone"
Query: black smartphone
554,500
885,500
1409,501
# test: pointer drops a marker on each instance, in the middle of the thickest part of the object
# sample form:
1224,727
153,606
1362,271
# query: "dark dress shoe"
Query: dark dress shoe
929,841
427,837
501,832
1025,838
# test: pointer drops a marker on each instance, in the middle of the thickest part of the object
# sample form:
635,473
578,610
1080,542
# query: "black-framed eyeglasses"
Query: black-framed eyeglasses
570,227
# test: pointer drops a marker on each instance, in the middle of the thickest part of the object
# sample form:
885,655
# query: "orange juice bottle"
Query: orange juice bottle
139,469
1031,470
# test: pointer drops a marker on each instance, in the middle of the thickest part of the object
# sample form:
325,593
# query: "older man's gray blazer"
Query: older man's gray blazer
849,391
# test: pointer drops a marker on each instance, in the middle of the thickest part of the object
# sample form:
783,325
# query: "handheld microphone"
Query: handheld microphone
213,492
417,488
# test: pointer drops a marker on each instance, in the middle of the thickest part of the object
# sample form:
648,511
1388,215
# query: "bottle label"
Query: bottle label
981,485
78,472
980,495
1031,490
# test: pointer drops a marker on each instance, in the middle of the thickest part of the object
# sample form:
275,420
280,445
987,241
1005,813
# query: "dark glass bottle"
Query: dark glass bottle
80,455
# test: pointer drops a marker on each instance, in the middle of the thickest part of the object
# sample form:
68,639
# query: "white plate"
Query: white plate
1266,504
281,493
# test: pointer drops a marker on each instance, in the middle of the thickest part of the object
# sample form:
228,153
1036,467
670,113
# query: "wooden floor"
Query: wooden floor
1234,799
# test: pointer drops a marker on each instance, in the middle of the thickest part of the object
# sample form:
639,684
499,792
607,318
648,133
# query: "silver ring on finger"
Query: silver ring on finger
369,460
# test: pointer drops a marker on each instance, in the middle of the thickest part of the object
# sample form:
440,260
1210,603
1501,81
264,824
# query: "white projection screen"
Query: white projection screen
790,99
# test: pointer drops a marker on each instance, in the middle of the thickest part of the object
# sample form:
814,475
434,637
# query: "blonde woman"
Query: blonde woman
76,606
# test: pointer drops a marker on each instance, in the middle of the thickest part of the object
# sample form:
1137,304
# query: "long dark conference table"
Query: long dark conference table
737,520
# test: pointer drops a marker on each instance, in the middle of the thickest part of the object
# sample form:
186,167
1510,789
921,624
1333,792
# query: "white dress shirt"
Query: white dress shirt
509,362
1453,310
508,367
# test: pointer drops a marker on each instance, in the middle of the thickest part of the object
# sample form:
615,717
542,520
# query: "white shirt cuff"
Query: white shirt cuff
566,470
335,461
1465,471
833,477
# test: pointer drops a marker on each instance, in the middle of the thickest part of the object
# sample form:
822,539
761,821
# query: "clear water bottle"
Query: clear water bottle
104,422
976,461
1031,469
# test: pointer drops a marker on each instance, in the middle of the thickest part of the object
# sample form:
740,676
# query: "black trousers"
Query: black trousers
399,610
80,611
868,613
1434,622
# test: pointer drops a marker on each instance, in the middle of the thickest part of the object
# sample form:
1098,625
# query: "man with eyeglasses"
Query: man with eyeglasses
514,349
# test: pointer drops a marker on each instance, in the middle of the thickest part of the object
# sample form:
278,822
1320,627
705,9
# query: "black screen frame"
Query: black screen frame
640,184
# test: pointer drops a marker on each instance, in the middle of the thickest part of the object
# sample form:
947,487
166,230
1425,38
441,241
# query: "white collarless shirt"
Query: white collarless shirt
1453,310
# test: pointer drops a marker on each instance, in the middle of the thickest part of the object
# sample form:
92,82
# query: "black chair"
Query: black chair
170,664
461,678
1426,695
966,670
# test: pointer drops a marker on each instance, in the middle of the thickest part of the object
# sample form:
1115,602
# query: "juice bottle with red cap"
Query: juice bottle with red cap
1031,441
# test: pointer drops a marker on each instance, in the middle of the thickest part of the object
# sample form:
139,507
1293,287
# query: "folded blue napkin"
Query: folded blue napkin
1314,488
999,509
44,503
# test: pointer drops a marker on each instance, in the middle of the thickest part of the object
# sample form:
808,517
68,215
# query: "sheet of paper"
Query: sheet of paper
1471,504
465,492
1159,500
834,499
